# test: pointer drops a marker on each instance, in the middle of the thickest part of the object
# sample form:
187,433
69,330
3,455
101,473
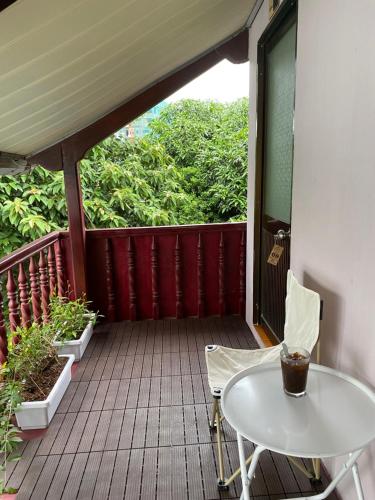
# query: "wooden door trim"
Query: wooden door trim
286,11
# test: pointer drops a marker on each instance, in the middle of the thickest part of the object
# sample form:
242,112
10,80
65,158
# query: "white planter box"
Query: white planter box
78,346
38,414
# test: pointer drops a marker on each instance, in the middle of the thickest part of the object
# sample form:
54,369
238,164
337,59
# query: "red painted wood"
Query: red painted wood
3,334
155,280
24,297
177,269
23,253
131,273
44,286
51,271
179,295
59,269
221,276
14,317
35,290
189,229
242,287
77,235
32,434
200,269
111,306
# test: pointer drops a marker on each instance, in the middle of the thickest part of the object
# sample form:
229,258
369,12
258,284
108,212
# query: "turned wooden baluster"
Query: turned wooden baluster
35,290
177,255
154,280
59,269
131,274
14,317
44,285
24,297
51,271
200,277
3,333
241,305
111,306
221,276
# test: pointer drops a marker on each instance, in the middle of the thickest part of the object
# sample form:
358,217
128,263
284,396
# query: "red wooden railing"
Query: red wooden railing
173,271
28,277
132,273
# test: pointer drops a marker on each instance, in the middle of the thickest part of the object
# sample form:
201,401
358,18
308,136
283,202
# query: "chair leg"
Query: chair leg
213,421
215,425
316,467
221,482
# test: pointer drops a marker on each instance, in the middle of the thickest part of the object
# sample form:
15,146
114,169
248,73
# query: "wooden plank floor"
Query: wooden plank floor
133,423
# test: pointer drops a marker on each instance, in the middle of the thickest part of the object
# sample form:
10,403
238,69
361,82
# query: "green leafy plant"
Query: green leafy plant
9,433
68,318
30,356
208,142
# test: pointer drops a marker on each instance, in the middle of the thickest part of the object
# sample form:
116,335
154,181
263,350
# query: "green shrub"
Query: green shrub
68,318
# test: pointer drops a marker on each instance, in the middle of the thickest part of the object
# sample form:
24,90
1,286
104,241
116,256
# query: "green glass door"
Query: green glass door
277,170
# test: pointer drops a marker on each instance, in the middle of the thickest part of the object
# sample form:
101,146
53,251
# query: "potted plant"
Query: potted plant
73,324
37,373
9,433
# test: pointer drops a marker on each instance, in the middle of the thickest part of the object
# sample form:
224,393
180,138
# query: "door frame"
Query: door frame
287,12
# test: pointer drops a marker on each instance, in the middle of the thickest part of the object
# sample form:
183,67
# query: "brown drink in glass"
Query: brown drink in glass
294,367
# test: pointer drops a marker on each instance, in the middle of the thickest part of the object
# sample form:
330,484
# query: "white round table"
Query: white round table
336,417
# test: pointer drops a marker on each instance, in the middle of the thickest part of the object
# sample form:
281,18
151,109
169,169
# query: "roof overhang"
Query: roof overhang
74,72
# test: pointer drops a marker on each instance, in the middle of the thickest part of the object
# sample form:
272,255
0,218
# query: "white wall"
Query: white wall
333,214
333,221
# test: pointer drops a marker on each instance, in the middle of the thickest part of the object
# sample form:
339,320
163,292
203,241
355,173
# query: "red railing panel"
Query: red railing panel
27,279
3,334
24,297
111,299
157,270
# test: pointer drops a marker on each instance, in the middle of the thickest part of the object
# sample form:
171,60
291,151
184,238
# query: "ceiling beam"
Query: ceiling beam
6,3
235,49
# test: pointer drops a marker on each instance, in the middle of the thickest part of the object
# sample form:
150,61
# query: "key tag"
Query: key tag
275,255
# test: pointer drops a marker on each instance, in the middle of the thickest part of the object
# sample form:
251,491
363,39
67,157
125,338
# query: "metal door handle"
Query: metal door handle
281,235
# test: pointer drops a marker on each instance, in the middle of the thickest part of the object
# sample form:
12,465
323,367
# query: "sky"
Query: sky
224,82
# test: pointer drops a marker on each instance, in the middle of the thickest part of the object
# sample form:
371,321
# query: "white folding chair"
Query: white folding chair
301,328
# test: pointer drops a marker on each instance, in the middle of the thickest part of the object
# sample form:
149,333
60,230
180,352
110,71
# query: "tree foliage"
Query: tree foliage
123,184
190,169
135,184
208,141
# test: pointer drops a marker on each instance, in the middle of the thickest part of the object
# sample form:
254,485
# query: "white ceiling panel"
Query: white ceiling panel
65,64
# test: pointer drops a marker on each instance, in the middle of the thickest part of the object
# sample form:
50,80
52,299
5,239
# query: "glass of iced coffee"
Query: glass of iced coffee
294,367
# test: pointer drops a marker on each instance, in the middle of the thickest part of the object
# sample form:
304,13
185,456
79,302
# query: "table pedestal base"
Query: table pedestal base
247,475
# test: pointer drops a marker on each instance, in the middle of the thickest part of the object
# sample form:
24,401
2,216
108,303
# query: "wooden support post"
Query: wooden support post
59,269
221,276
14,317
155,280
131,274
35,290
24,297
178,274
51,271
76,221
3,333
111,302
201,307
44,285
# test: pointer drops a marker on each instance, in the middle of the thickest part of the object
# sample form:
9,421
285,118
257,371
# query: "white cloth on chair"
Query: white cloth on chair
302,314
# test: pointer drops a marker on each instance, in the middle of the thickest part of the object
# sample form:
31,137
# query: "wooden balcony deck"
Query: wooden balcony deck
133,423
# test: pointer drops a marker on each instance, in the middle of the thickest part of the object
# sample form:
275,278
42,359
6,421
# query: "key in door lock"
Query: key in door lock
281,235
